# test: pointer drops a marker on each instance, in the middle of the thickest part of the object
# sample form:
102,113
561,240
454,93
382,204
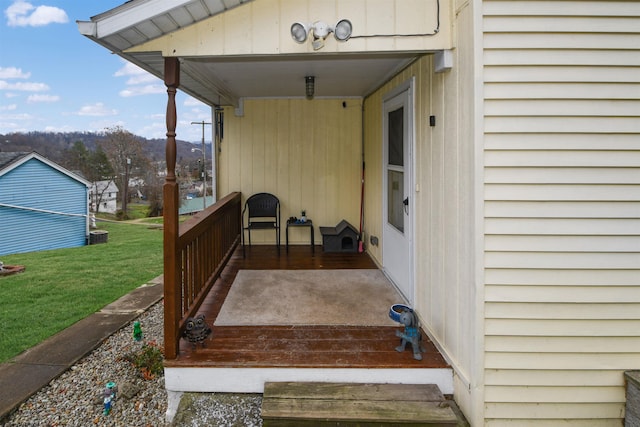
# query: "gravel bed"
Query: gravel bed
76,397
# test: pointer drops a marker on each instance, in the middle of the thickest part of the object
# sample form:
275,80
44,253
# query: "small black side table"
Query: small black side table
307,223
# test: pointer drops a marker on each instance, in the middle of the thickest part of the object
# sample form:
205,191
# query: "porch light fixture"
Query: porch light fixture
309,86
342,30
319,31
299,32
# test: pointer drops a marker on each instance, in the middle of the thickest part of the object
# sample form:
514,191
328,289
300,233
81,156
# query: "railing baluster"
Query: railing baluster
204,246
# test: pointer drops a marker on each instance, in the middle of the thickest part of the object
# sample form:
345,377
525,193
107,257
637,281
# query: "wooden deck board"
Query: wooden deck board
311,403
312,346
317,390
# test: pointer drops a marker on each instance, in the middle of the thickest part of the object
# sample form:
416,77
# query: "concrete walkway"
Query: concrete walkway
27,373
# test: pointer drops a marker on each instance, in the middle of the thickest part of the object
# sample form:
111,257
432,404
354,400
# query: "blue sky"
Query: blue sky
54,79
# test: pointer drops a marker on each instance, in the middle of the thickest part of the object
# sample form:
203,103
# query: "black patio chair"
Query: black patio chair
263,213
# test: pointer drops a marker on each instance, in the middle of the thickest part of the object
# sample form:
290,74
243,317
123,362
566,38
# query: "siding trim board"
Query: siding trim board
562,209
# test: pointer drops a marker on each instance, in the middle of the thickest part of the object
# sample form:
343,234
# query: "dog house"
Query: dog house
341,238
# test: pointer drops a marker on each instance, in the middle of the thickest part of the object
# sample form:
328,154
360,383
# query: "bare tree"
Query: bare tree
94,166
125,153
153,182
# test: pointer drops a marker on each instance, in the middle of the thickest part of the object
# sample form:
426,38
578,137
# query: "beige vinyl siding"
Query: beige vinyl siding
443,203
562,209
308,153
264,28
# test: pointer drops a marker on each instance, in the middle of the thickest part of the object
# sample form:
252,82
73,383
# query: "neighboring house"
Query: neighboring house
104,196
42,205
502,148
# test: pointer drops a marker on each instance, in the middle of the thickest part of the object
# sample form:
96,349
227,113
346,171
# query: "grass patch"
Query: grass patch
137,210
158,220
60,287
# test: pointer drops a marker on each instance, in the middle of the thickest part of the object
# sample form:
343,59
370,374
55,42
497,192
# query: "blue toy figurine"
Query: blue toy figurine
109,396
411,333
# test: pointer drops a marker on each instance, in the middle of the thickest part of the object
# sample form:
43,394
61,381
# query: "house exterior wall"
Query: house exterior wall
527,201
36,185
446,199
104,194
562,209
306,152
263,28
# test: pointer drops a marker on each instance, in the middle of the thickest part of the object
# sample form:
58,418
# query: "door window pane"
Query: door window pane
395,192
396,128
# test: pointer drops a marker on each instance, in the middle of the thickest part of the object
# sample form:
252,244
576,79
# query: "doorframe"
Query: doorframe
408,86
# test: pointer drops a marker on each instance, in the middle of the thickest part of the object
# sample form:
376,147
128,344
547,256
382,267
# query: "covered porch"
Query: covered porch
272,132
241,358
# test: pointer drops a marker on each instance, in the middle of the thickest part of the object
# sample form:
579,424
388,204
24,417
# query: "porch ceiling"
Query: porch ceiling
226,80
345,75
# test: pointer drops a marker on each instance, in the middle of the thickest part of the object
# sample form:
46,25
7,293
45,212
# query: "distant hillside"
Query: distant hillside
53,145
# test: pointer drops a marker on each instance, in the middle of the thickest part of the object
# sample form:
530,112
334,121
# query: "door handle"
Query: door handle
405,204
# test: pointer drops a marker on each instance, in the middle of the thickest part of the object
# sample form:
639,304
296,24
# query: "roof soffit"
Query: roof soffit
247,51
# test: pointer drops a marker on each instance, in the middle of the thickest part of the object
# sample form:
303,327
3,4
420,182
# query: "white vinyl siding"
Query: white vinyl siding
562,209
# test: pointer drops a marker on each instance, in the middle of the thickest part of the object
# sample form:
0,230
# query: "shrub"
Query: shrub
148,360
121,215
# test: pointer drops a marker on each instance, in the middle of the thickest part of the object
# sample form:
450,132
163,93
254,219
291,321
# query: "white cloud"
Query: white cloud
43,98
13,73
9,107
141,79
156,129
139,82
27,87
142,90
136,74
98,109
190,101
61,129
23,14
129,69
8,127
19,116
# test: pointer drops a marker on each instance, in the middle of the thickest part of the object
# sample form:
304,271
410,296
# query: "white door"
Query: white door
397,242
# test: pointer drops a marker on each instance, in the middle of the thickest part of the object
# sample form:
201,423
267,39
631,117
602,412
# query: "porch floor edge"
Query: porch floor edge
252,380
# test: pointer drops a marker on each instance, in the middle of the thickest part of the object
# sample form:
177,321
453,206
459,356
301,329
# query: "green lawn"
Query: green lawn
60,287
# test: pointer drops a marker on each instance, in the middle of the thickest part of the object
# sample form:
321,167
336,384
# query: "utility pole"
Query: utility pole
204,165
125,190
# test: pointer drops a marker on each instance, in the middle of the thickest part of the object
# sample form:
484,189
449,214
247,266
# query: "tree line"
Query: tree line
113,155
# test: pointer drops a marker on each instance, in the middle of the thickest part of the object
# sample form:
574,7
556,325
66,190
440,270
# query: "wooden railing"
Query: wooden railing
203,247
195,252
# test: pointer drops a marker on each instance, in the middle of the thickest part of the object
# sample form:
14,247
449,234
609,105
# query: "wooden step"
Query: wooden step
347,404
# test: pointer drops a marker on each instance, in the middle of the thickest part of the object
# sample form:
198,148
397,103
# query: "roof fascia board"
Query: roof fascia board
13,164
46,161
132,13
